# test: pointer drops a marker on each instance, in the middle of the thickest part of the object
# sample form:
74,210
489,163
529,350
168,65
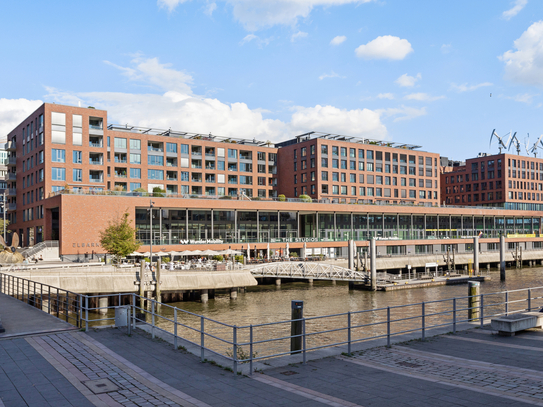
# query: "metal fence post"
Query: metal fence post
303,341
153,319
423,322
482,310
86,313
202,338
49,299
134,311
175,327
454,315
235,348
507,303
529,299
58,304
251,349
388,327
67,305
349,332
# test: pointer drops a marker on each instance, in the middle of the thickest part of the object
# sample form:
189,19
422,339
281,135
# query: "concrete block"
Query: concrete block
508,325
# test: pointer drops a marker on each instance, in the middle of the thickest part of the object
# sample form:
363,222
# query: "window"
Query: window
135,172
77,174
171,148
232,153
220,165
58,174
135,158
303,151
135,144
77,157
324,175
120,142
335,176
135,185
40,157
58,156
155,174
155,160
324,162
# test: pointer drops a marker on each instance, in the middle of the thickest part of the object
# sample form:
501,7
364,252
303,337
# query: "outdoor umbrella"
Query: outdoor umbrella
287,253
305,249
248,251
268,252
136,254
209,252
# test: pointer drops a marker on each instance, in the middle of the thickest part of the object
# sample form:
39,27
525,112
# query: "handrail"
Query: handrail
319,332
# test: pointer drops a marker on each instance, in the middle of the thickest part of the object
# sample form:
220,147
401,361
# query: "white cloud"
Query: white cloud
523,98
169,4
150,71
13,112
210,8
385,47
185,111
298,35
257,14
468,88
407,81
526,64
338,40
357,122
259,41
423,97
517,7
330,75
389,96
248,38
446,48
403,113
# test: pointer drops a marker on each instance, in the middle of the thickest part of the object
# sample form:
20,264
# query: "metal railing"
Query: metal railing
246,344
63,304
27,253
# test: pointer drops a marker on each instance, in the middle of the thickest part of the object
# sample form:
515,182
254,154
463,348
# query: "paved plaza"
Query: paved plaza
60,366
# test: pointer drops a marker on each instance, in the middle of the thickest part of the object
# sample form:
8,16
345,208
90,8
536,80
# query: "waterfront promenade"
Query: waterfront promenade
60,366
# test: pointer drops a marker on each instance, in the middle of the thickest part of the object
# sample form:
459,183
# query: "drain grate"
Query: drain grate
289,373
101,386
408,364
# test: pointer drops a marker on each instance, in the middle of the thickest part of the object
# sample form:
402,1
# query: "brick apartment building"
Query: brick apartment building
501,180
70,173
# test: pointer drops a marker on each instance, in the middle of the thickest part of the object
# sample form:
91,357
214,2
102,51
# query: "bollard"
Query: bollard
373,264
502,258
350,254
474,291
296,327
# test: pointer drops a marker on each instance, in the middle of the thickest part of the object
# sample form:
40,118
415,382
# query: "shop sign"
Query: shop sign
297,240
521,235
86,244
202,241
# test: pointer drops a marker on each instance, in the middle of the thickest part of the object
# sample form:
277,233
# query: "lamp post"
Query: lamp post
151,203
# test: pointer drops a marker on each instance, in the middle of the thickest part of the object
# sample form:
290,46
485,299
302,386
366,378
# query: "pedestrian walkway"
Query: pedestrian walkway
19,318
106,367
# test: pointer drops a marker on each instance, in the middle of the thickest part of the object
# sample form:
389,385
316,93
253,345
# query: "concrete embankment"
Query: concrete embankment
106,280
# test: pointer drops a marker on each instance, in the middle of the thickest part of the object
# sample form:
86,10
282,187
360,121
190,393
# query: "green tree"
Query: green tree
119,238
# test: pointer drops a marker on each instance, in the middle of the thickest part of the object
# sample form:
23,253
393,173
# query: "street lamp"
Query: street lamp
151,203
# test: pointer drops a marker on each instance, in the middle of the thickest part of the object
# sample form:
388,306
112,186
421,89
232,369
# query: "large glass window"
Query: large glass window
135,172
135,158
58,174
77,174
155,174
155,160
135,144
120,142
77,157
58,156
171,147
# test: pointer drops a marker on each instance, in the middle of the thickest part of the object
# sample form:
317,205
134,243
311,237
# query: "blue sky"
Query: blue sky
419,72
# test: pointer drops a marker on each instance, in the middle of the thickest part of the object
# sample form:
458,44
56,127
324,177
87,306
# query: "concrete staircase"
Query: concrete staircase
48,250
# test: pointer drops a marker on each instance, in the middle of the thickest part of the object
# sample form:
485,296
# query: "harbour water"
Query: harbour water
266,304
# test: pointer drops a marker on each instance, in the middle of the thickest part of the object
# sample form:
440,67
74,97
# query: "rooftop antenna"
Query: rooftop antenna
534,148
500,141
514,140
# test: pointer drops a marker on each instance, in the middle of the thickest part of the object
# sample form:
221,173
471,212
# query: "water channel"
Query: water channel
269,304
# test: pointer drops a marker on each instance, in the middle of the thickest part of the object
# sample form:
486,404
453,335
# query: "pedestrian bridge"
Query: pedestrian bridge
308,270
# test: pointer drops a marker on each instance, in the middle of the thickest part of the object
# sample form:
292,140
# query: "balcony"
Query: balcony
10,146
12,206
96,162
11,192
96,179
12,161
12,176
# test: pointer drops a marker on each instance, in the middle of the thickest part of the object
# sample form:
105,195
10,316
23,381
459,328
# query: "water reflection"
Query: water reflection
265,304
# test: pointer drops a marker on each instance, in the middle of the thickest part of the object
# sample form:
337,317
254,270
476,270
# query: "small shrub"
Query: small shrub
166,259
282,198
218,257
239,258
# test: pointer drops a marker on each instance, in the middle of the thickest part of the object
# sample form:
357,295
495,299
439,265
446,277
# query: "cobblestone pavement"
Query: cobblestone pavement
497,379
